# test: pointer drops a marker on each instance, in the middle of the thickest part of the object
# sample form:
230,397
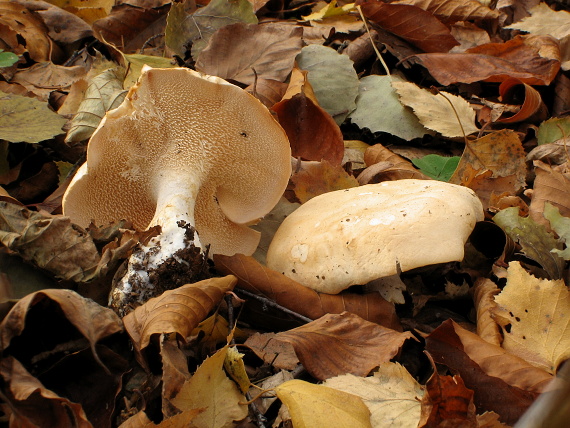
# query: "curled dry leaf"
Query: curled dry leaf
350,343
176,311
502,382
483,297
415,25
258,279
28,396
532,109
243,51
313,133
451,11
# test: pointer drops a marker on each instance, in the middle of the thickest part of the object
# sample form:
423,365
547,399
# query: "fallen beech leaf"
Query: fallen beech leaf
535,241
176,311
411,23
313,405
243,52
105,92
313,133
392,395
493,163
383,165
544,21
328,10
379,109
532,108
92,321
437,167
174,372
553,129
451,11
178,23
211,390
27,120
447,402
520,57
552,184
279,354
316,178
560,225
235,368
502,382
532,313
352,345
483,297
136,63
333,78
258,279
436,112
36,405
268,91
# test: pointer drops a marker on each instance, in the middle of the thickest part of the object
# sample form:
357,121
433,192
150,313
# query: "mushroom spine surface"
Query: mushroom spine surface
192,154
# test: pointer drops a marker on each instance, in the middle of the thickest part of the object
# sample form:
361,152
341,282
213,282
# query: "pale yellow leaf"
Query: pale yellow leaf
328,10
544,21
435,111
534,314
392,395
211,390
315,406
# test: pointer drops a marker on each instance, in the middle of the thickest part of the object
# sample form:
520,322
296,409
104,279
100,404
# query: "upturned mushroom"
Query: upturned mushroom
188,152
353,236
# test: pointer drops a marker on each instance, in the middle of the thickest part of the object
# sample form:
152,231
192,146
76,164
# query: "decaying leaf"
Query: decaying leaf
383,165
352,345
392,395
561,225
532,313
316,405
176,311
258,279
445,113
544,21
27,120
551,185
315,178
211,391
450,11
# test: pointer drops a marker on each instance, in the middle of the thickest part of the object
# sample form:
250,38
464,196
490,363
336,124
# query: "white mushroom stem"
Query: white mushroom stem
175,213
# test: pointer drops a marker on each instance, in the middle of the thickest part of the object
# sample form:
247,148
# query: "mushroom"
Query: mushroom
187,152
354,236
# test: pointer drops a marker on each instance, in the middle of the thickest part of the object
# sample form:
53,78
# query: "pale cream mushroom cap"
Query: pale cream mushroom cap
175,127
354,236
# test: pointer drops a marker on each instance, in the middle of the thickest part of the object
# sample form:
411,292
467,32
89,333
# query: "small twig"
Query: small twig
149,41
372,41
254,82
274,305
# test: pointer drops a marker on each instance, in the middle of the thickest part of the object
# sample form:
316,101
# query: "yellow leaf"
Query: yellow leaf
211,390
236,369
329,10
318,406
537,312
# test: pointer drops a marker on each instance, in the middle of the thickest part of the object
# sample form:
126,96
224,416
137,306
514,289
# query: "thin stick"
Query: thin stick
372,41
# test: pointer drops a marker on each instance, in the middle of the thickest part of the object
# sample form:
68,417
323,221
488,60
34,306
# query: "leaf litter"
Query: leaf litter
465,86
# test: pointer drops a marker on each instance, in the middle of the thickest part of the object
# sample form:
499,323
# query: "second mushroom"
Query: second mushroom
187,152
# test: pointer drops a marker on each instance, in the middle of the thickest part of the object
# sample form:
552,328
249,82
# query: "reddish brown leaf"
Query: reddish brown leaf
176,311
447,403
279,354
385,165
337,344
258,279
313,133
450,11
415,25
240,51
35,405
552,184
520,58
268,91
502,382
532,109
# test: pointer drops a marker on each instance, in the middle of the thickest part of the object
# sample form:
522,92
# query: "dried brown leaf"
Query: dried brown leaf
176,311
552,184
415,25
483,297
280,354
502,382
532,109
350,343
258,279
315,178
236,50
450,11
519,57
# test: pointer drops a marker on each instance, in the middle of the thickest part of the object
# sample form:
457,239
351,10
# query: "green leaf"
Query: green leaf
379,109
105,92
561,225
536,242
7,58
437,167
554,129
333,79
24,119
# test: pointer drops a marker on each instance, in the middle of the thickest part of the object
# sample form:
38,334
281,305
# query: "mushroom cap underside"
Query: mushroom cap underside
354,236
178,126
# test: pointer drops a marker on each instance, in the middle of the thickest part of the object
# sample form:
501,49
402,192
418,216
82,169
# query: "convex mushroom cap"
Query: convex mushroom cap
354,236
184,146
